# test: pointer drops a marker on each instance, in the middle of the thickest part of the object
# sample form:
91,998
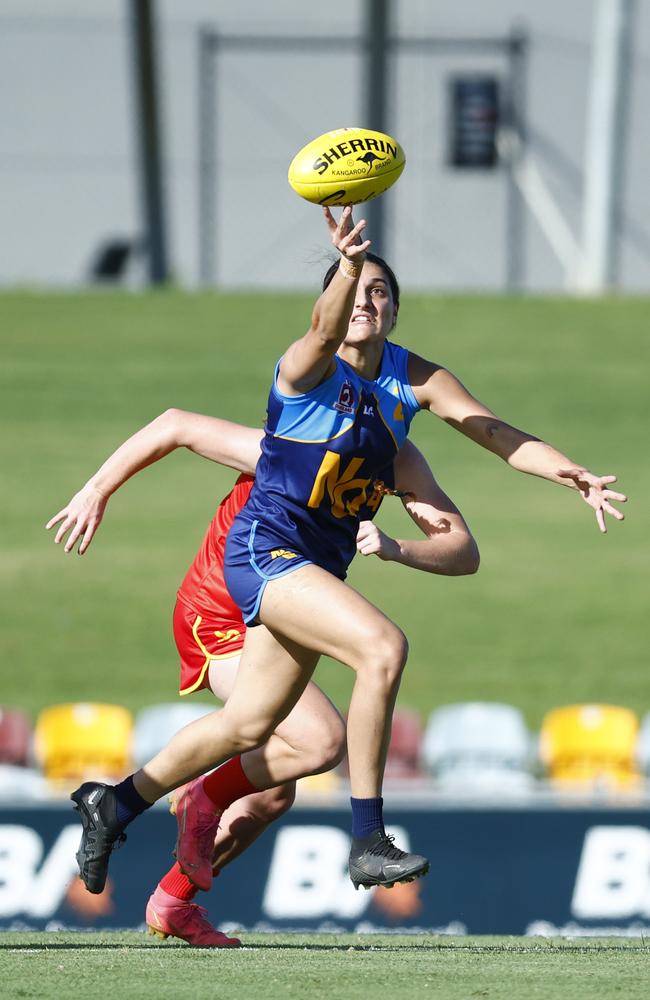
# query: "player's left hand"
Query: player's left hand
595,491
373,542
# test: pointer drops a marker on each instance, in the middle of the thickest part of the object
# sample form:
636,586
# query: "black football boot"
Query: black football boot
374,860
97,806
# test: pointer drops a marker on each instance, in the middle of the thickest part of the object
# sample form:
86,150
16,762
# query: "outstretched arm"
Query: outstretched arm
448,547
309,360
218,440
442,393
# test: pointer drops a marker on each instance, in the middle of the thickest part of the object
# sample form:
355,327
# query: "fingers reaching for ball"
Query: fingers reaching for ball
345,235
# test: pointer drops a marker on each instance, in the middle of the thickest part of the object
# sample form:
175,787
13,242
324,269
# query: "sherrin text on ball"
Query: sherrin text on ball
346,166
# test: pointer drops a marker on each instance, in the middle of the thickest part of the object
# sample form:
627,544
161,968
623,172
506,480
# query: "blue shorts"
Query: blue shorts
255,554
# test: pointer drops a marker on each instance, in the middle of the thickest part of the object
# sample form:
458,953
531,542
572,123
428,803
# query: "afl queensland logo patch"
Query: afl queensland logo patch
345,402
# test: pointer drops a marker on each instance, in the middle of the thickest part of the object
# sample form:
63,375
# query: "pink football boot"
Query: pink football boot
167,916
198,821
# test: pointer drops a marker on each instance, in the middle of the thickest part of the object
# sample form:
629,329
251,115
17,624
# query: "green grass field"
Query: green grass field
323,967
556,614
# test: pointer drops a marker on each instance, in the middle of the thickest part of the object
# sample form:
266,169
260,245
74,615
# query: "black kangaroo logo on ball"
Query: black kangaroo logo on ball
369,158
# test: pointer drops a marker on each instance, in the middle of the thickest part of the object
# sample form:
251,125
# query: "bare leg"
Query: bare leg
319,611
246,819
309,741
270,680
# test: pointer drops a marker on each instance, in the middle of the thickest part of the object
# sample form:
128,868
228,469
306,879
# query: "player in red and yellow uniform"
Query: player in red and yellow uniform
208,625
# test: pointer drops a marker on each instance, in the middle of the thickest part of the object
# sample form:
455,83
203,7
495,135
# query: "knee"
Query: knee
329,745
385,658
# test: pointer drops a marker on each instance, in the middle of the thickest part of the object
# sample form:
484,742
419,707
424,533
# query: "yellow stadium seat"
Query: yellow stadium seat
83,740
318,784
591,746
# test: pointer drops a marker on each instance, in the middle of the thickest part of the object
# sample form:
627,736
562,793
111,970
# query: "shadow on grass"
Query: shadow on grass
180,946
545,947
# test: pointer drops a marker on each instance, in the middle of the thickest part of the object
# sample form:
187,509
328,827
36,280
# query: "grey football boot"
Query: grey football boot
374,860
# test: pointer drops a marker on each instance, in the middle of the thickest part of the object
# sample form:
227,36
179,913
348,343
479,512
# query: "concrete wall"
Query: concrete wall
68,154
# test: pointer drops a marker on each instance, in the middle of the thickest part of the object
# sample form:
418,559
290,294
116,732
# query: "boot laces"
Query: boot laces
385,848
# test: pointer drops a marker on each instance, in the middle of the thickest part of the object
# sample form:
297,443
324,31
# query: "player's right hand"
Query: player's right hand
81,517
346,237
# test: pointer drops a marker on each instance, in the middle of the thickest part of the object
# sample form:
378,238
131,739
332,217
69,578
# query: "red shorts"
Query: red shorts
200,639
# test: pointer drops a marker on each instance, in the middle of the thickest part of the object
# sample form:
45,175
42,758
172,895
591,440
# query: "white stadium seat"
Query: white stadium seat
22,784
643,746
155,725
478,748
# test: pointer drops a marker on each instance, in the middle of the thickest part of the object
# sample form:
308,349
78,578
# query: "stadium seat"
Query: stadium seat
404,757
15,737
643,746
155,725
83,740
590,746
315,785
478,748
405,747
21,784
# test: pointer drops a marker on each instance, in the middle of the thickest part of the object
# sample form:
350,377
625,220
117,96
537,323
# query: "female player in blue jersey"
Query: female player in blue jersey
340,406
312,737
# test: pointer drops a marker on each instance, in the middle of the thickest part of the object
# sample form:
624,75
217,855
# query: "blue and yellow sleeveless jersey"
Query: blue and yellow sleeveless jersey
322,453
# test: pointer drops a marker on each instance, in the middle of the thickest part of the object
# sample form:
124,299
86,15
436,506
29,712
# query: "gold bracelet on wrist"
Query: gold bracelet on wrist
350,267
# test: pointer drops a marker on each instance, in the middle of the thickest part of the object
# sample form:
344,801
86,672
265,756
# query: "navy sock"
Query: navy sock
129,801
367,816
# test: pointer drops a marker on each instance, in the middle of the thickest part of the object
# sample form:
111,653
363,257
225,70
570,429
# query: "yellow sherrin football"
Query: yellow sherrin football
346,166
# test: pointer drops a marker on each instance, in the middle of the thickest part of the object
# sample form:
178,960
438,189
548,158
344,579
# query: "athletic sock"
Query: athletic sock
129,801
227,784
177,884
367,816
